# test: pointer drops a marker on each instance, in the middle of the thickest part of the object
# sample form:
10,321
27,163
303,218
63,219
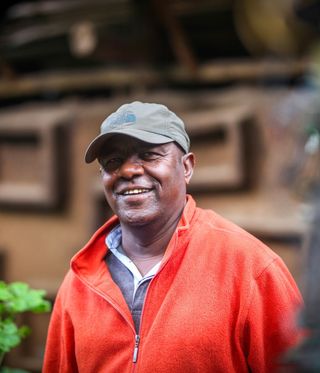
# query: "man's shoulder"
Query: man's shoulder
229,239
71,289
212,221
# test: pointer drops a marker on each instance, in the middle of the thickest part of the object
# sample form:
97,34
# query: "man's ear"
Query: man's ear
188,161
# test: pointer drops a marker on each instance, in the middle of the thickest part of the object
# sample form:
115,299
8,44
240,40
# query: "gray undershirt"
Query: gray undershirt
126,275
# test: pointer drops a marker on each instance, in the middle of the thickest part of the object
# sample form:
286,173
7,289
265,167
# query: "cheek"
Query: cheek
107,183
176,184
106,179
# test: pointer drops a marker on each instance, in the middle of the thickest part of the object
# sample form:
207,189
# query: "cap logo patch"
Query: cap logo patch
122,118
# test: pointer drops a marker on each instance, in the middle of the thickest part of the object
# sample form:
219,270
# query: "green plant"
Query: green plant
17,298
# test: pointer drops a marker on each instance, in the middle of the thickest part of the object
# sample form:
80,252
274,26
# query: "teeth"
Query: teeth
135,191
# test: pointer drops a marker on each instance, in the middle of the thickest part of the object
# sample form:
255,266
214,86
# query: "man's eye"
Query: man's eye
110,165
149,156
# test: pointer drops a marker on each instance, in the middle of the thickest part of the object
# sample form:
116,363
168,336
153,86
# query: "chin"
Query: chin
136,220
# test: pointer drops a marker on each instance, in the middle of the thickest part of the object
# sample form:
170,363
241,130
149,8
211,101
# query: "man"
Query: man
164,286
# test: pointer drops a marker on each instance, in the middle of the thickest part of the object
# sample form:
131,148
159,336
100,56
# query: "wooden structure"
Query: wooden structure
34,160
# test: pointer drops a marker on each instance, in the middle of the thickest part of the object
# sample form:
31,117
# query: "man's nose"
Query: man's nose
131,167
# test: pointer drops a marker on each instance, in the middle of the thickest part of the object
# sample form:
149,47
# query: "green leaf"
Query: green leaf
16,298
24,331
25,299
18,288
4,292
9,335
11,370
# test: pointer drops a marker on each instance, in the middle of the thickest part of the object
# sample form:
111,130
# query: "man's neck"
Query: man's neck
147,242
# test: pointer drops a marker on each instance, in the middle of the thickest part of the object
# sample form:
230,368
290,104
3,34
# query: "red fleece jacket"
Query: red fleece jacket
221,302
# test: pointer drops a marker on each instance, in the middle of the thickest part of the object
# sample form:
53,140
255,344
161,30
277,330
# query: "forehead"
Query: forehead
120,143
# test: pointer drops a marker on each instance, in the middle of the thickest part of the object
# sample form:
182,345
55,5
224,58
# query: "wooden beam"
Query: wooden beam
177,37
244,70
115,78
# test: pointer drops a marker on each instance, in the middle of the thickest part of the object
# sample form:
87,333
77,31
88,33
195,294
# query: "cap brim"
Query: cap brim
95,147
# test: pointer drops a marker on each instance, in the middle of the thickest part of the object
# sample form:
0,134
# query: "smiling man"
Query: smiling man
164,286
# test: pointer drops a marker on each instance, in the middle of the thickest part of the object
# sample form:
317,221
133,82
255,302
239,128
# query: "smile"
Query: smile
135,191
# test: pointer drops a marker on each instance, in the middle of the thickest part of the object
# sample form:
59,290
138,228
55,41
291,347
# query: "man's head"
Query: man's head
152,123
145,170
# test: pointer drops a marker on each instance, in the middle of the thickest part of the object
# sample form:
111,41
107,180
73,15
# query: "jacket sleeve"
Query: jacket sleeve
60,348
271,326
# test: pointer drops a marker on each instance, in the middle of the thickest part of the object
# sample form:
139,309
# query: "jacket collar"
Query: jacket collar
89,262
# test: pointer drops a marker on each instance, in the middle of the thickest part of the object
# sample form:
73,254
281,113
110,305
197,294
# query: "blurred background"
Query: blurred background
243,74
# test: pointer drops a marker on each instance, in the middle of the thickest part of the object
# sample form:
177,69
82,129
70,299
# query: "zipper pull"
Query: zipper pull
136,348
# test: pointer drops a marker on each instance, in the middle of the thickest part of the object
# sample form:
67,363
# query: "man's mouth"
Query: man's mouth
135,191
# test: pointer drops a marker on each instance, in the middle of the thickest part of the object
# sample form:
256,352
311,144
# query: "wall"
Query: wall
58,201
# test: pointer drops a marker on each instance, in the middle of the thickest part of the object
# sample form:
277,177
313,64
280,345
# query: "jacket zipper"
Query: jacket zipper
136,348
137,336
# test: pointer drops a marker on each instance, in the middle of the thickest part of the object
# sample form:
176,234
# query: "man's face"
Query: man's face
145,183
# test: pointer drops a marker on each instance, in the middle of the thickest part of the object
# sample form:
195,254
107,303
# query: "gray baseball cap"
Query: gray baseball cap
152,123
